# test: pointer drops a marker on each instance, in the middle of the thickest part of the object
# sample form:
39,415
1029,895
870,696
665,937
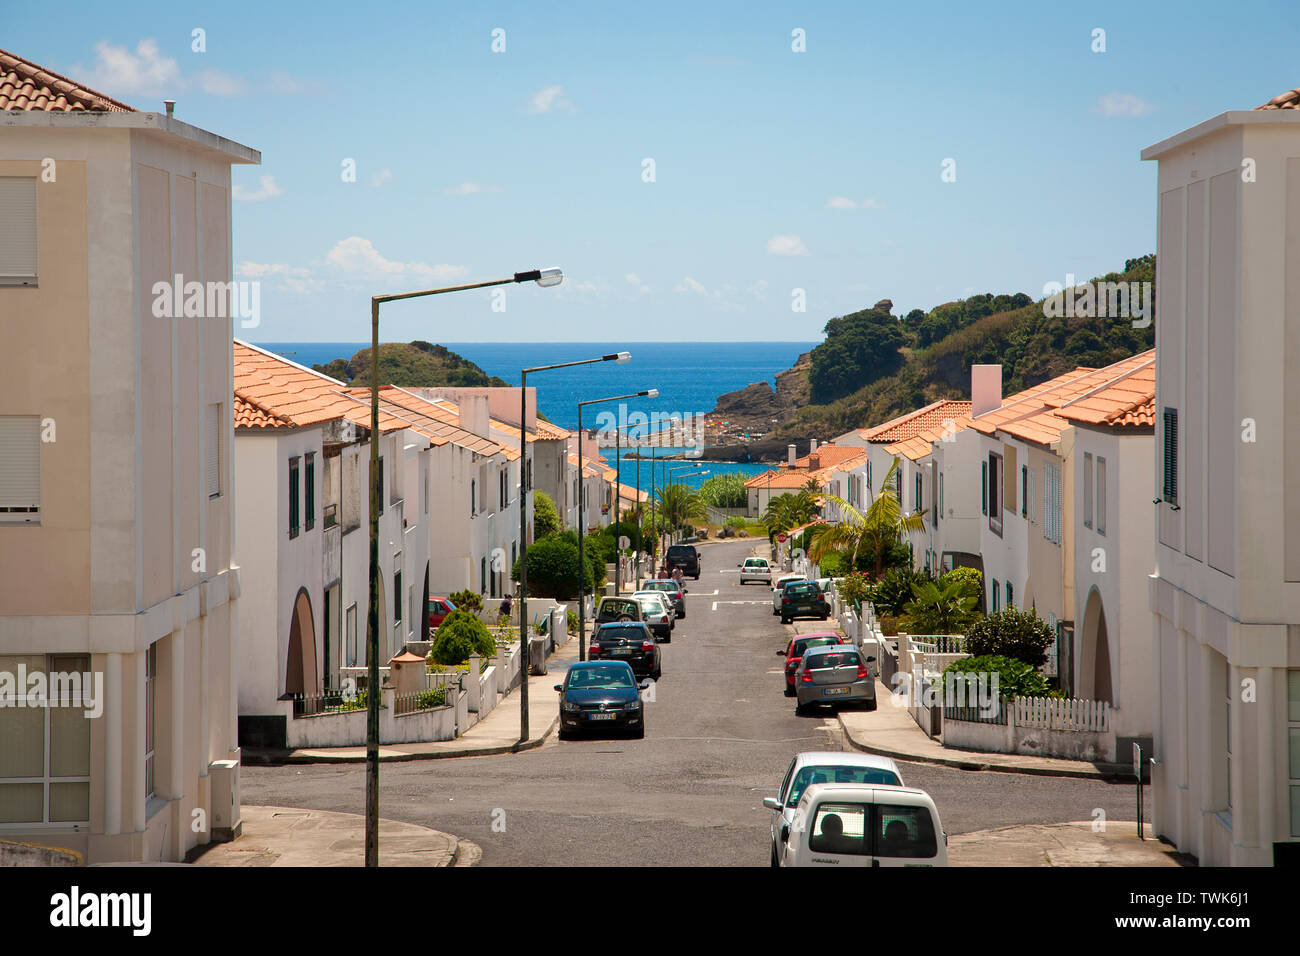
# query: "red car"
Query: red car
439,608
794,653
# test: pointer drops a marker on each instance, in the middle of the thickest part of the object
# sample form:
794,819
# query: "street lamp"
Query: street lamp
543,277
582,566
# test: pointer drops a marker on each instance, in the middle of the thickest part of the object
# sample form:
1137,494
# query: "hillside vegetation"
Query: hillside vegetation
874,366
415,364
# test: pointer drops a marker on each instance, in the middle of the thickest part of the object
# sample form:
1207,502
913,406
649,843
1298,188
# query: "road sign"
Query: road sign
781,537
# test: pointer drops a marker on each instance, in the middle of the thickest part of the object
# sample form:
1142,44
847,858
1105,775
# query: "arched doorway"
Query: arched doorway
300,675
1094,662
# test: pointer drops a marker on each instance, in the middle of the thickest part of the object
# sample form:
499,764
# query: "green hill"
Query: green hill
416,364
874,366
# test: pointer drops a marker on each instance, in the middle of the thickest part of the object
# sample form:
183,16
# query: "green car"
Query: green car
803,599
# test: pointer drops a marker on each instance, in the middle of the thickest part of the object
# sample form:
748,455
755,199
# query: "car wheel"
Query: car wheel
775,861
801,710
825,616
775,612
656,674
639,733
789,692
871,704
784,619
565,735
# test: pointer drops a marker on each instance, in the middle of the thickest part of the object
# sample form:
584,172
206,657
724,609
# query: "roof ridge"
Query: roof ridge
280,358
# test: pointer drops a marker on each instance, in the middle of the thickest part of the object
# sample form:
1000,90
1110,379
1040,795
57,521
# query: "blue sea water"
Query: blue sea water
689,376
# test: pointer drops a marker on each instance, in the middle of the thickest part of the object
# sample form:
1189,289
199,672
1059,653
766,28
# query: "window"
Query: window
1029,498
905,831
381,485
473,498
482,575
311,491
995,592
1293,742
293,497
1087,489
940,494
18,246
840,828
505,495
995,494
1024,491
352,635
1052,503
424,493
1101,495
1169,488
916,491
1011,596
984,487
150,717
214,450
868,473
397,596
20,467
45,757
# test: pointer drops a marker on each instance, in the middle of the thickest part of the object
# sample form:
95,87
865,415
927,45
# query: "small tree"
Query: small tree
461,635
971,580
940,610
893,591
546,517
466,600
1011,633
553,568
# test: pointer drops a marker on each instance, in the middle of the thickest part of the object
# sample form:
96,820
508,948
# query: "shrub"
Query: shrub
553,568
466,600
1015,677
971,579
573,623
853,587
461,635
546,517
894,590
1011,633
735,521
622,529
941,608
725,491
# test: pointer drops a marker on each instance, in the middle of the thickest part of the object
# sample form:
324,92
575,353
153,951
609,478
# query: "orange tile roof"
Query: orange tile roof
913,423
783,478
550,430
277,393
828,454
1129,401
920,444
1290,100
431,420
592,467
25,85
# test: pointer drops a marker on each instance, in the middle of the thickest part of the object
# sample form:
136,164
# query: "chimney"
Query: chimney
814,461
473,415
985,389
170,107
789,451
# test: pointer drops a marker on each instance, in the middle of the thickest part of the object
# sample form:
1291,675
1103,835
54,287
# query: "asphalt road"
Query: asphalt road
719,736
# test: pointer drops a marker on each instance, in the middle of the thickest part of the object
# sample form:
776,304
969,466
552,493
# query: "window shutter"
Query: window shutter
213,468
984,487
1101,495
1024,491
18,237
1087,490
1170,490
1009,486
20,467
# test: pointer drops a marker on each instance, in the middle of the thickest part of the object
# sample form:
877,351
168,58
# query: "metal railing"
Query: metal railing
424,700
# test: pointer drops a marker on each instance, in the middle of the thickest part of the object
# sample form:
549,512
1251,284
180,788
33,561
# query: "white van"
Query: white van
839,824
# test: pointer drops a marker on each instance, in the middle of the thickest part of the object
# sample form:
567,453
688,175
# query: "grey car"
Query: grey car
834,674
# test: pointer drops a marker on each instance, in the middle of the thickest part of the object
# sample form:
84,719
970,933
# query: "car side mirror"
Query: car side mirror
559,687
772,803
785,833
644,685
780,653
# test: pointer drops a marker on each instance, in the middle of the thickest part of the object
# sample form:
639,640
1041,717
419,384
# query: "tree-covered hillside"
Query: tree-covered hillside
417,364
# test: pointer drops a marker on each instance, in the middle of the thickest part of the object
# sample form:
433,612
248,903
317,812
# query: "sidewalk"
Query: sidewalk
498,733
1064,844
286,836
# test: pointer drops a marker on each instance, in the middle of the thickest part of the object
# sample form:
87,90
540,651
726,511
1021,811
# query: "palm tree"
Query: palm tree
871,532
936,610
788,511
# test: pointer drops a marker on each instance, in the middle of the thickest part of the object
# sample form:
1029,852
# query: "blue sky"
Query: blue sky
774,170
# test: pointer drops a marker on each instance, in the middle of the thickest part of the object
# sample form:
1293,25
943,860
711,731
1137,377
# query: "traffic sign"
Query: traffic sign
781,537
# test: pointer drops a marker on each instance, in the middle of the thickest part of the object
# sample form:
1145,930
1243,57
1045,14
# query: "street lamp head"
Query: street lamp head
550,277
622,358
649,393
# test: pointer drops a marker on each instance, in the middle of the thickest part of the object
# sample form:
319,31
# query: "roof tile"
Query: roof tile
25,85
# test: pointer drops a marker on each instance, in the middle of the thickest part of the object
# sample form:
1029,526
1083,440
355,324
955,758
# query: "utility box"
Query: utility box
226,821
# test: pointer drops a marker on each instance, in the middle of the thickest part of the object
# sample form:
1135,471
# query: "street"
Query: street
719,737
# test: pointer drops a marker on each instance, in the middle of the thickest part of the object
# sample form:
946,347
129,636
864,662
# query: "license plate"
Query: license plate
834,691
622,650
601,716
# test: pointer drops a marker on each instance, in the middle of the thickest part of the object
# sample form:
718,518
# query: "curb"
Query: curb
1117,772
274,758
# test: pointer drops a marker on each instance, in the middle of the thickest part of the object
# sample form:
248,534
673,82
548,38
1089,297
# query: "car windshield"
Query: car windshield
620,632
833,773
831,659
660,586
802,645
802,589
613,608
681,551
651,603
755,563
596,678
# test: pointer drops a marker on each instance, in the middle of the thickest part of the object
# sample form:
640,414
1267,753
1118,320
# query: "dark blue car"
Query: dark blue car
601,696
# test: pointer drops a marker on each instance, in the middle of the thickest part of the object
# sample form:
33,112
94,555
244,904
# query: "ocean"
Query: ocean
689,376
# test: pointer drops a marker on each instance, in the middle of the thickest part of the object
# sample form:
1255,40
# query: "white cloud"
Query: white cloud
262,270
216,83
786,246
635,281
690,285
719,299
472,189
844,202
549,99
358,256
281,82
267,189
385,175
1123,104
119,70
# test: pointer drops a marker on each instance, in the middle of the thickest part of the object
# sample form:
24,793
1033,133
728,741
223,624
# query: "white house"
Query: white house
1225,594
115,472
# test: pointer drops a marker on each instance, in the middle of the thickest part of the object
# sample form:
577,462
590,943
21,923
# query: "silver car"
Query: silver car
834,674
825,766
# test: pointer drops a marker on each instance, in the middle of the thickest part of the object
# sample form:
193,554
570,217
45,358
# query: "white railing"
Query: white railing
1073,714
939,643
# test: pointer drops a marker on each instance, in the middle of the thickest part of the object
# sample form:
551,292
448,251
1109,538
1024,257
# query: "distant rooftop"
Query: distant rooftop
25,85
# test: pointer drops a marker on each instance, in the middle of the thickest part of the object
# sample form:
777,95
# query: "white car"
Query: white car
756,569
825,766
657,611
781,582
839,824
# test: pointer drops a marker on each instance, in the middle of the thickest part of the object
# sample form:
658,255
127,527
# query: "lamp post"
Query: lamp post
582,566
543,277
525,639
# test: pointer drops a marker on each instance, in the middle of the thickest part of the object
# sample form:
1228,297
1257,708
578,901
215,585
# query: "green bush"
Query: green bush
941,608
735,521
546,517
622,529
461,635
553,568
1011,633
971,579
833,565
466,600
725,491
853,587
1015,677
893,592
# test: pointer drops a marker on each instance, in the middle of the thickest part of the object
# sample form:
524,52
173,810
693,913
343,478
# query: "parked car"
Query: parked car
601,695
825,766
629,641
657,612
803,599
618,609
779,586
674,592
833,674
683,556
794,652
838,824
439,608
756,569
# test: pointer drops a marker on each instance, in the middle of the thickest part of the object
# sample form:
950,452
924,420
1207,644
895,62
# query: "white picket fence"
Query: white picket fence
1073,714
